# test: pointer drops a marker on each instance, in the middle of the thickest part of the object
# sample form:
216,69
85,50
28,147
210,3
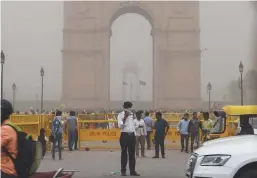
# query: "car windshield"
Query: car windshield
219,126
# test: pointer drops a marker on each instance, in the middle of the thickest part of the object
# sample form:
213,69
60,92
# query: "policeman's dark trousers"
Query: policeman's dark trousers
128,144
159,142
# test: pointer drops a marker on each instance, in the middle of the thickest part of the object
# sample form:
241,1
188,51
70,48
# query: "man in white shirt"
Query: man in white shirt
127,139
140,133
149,128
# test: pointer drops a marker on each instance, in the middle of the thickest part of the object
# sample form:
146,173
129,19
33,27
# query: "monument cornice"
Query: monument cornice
86,31
153,31
180,98
180,17
83,52
174,31
181,52
86,98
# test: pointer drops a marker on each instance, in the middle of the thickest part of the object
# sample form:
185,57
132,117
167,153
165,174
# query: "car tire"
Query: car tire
249,173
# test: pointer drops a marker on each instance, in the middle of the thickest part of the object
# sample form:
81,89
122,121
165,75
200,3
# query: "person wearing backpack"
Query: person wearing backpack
57,132
8,141
20,154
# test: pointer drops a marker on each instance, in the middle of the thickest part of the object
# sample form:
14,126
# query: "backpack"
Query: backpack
28,156
58,125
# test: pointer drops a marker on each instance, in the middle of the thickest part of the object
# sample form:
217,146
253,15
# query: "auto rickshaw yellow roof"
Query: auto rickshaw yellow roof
240,110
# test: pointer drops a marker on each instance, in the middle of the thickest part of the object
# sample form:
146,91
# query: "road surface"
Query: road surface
100,164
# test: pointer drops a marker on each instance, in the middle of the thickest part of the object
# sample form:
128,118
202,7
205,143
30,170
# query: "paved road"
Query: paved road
100,163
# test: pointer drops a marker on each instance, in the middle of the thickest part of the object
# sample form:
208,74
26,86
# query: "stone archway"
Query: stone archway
176,47
254,4
131,68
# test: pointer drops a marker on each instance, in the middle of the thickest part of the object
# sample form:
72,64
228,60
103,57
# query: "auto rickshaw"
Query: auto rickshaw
229,120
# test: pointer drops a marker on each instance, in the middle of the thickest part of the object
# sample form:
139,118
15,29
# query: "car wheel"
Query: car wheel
248,173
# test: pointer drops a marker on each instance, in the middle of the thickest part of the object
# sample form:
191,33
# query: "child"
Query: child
42,139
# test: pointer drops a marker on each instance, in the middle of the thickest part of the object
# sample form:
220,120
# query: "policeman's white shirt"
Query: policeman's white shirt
140,127
129,125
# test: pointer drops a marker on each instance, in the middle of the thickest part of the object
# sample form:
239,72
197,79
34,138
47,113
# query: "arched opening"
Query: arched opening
131,56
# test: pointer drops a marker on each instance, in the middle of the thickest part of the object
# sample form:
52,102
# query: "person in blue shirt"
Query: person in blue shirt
161,129
183,130
57,132
71,126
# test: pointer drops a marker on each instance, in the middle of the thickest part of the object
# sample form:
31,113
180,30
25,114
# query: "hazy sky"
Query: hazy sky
32,37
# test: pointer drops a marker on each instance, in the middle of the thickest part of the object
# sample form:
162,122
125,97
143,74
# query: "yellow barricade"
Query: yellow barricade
104,138
29,123
100,131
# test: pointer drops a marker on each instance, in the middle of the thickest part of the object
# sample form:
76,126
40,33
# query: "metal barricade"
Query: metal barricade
28,123
100,131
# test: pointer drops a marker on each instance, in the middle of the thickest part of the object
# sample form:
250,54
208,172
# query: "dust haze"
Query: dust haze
32,37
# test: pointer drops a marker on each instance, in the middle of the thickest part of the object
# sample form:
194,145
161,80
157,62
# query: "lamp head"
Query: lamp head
42,72
2,57
209,86
13,86
241,67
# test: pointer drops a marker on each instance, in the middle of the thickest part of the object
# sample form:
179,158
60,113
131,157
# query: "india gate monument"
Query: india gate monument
176,52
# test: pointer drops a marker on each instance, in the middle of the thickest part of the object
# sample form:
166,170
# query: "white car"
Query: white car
231,157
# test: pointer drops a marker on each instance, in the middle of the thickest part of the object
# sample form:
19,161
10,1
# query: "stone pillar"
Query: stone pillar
137,87
254,3
123,87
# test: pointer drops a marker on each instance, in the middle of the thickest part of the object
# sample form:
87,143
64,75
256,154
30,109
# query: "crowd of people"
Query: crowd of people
136,129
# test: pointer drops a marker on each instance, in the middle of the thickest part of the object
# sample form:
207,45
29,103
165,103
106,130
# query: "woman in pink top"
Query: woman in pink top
8,141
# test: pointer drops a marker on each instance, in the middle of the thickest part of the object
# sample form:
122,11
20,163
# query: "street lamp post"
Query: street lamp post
241,70
42,73
209,88
2,72
13,93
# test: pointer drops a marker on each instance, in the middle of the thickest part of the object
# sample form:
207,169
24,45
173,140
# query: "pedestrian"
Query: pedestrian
194,131
127,139
140,133
71,125
8,141
207,125
57,131
77,135
43,140
183,131
161,127
149,128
